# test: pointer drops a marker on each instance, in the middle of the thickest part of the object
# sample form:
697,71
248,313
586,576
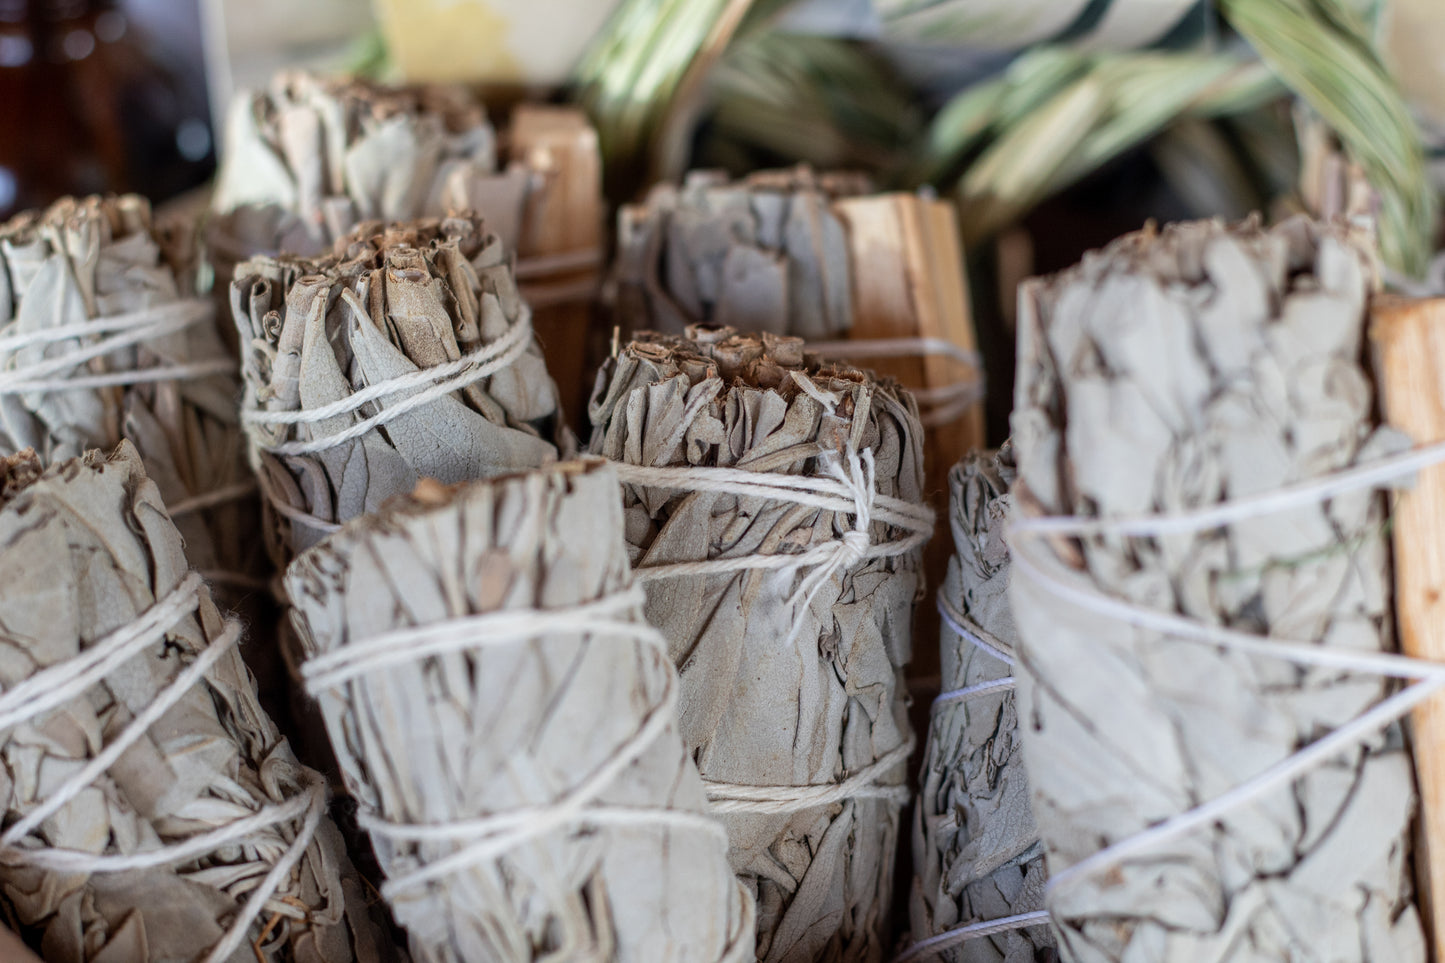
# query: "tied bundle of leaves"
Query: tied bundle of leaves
792,675
977,856
525,715
1168,373
309,158
346,335
89,555
93,280
765,254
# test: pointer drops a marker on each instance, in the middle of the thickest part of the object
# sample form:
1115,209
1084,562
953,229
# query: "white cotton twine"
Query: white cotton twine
851,491
1033,561
55,685
119,331
971,632
616,617
1045,570
944,403
436,382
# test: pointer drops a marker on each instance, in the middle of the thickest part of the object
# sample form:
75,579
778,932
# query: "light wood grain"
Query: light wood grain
564,218
909,282
1409,341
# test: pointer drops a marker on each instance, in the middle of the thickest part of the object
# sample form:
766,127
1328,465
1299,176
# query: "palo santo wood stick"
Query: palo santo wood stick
908,282
560,246
1409,341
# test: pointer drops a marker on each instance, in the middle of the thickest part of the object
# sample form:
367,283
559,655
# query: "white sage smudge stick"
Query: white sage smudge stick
977,857
152,810
764,254
507,722
407,354
1207,709
309,158
103,338
772,512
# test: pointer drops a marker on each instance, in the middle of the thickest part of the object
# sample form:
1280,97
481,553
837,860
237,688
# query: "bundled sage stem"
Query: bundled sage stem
765,254
1207,731
977,855
406,354
102,338
507,722
772,512
152,810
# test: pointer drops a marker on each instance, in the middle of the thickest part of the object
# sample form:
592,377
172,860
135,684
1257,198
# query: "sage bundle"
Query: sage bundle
765,254
507,722
152,810
406,354
772,513
103,338
310,158
1208,735
978,861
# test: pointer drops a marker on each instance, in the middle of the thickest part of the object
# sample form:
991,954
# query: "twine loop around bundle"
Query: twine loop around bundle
849,486
435,382
616,618
101,336
58,684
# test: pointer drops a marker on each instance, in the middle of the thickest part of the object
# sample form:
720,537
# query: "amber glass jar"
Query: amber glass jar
88,105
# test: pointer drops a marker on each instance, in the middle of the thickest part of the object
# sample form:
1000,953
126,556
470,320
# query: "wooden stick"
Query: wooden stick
1409,341
562,220
909,282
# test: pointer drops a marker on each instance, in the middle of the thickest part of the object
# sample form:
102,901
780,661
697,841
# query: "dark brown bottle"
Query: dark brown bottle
89,105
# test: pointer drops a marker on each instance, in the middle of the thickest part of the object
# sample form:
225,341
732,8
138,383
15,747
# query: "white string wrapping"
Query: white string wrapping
489,836
435,382
972,633
58,684
852,491
1033,561
943,403
109,334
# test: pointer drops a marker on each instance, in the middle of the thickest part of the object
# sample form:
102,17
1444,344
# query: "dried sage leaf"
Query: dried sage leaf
93,262
777,690
309,158
500,729
88,551
764,254
390,302
976,851
1172,371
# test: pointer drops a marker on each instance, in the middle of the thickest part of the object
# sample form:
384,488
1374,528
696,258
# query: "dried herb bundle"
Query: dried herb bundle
976,851
309,158
132,733
765,254
406,354
792,674
94,301
1172,372
507,721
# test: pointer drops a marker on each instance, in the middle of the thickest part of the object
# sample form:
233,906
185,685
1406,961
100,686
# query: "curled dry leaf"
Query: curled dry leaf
330,343
89,552
977,856
764,254
1169,372
778,690
550,692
